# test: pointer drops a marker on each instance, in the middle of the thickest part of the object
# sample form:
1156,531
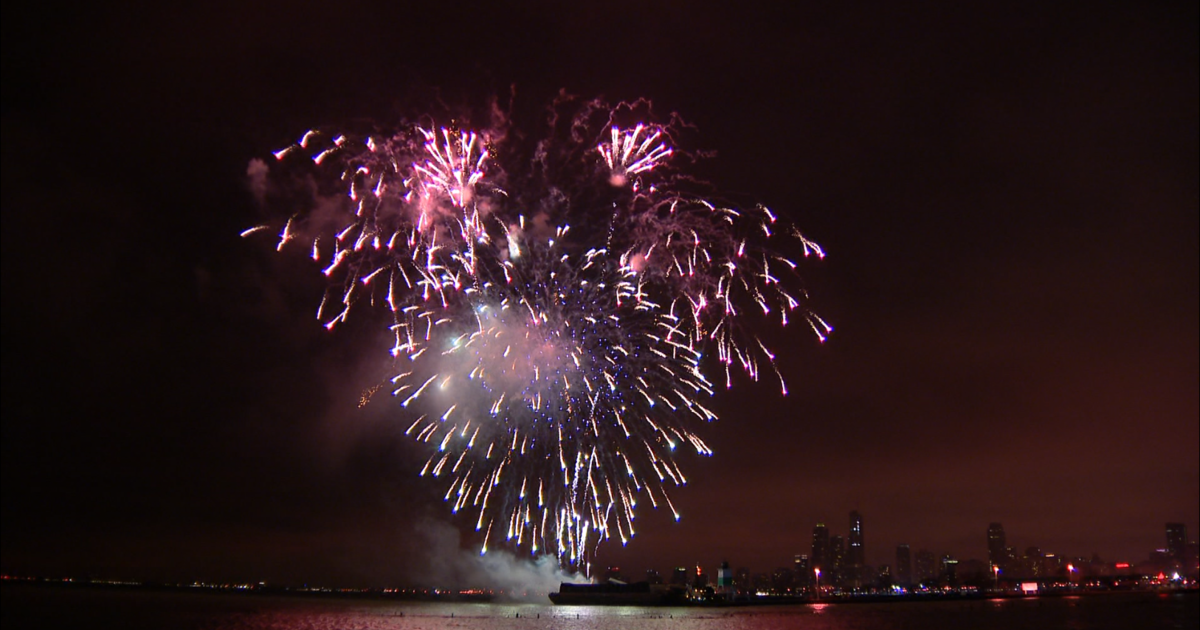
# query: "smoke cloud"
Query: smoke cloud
448,564
256,179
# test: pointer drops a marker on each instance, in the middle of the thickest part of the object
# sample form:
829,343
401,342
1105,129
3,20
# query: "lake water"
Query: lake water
27,606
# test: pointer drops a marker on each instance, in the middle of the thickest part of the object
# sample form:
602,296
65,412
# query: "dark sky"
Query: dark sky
1008,195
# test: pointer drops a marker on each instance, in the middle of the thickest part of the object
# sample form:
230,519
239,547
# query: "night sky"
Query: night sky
1008,196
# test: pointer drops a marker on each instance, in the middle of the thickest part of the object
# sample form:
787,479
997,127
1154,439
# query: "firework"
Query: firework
555,316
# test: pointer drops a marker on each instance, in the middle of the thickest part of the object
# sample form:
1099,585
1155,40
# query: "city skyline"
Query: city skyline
912,570
834,568
1005,196
818,553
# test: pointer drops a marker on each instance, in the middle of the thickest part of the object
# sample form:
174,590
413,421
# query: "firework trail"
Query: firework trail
552,305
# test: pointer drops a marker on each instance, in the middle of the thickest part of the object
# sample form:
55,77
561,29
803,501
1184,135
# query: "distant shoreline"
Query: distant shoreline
936,597
483,596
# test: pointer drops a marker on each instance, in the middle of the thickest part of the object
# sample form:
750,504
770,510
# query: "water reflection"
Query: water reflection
73,608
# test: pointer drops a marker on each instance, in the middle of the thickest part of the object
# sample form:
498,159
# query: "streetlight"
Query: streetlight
996,573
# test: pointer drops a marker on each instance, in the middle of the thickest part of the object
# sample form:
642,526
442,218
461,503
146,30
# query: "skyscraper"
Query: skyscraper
949,570
904,566
997,545
803,570
836,561
820,547
856,554
1176,541
926,566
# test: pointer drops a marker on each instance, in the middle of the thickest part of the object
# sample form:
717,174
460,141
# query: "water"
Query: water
26,606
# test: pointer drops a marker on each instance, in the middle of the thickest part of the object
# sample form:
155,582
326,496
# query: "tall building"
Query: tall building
949,570
679,576
761,583
855,553
904,574
782,581
803,570
997,546
1176,541
1034,562
836,560
741,579
883,577
926,566
820,547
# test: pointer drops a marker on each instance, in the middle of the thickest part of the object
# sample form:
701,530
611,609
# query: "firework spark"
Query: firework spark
552,371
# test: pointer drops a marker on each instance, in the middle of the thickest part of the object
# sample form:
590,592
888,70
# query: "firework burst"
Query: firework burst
552,371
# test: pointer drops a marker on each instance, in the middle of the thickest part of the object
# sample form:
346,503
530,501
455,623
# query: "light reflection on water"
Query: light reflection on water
73,608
